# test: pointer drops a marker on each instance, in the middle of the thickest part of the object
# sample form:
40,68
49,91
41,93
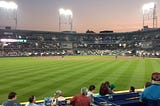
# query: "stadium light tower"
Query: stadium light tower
10,6
149,12
65,17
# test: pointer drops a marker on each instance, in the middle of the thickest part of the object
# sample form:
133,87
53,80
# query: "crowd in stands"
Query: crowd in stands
39,43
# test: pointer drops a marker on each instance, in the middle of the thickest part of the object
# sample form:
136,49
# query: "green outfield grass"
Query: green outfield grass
41,77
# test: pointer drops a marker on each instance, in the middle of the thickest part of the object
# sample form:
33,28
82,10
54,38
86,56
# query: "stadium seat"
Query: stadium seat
100,101
123,99
152,103
62,103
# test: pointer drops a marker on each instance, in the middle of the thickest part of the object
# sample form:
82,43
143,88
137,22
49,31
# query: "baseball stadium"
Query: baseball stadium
41,62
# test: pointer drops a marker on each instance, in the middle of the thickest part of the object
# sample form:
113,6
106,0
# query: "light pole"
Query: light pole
10,6
149,9
65,17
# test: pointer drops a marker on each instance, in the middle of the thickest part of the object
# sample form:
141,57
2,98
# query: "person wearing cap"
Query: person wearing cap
113,88
59,98
81,99
152,92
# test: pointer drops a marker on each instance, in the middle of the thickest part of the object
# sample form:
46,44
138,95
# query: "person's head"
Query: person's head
92,88
148,84
112,87
156,77
107,83
58,93
132,89
31,99
12,95
84,91
104,89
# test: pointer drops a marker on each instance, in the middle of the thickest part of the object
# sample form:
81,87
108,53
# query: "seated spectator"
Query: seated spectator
91,90
132,89
81,99
108,86
113,88
152,92
104,89
11,100
59,98
31,100
91,93
148,84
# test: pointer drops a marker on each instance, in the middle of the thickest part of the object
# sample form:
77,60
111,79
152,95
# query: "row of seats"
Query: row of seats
123,99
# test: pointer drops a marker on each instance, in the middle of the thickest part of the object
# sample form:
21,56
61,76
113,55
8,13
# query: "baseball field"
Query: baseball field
42,76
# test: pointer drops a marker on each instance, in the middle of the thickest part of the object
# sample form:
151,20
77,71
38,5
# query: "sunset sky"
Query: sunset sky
96,15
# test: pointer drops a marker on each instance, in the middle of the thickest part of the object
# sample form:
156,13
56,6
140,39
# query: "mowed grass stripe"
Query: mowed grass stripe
16,74
25,70
122,75
138,74
149,69
83,81
70,86
80,73
82,78
90,73
45,83
20,67
123,80
32,72
18,79
155,65
110,73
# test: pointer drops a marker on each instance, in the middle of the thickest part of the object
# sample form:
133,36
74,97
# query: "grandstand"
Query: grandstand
43,43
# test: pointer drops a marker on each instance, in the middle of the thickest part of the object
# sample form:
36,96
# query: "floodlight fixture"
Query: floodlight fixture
67,15
61,11
69,12
149,13
10,6
147,7
64,12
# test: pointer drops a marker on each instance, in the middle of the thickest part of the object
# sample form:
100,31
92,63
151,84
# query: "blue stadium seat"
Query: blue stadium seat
62,103
152,103
100,101
123,99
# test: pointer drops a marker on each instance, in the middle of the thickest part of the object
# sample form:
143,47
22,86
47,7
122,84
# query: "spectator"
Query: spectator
152,92
108,86
148,84
91,90
31,100
104,89
11,100
112,87
59,98
132,89
81,99
91,94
